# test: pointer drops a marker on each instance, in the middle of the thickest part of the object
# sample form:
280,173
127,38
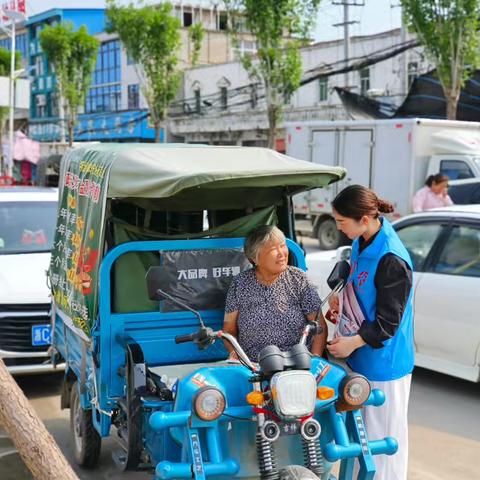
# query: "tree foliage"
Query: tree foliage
448,30
280,28
151,37
73,55
5,58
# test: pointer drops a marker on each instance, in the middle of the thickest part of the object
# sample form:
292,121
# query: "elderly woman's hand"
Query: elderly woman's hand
342,347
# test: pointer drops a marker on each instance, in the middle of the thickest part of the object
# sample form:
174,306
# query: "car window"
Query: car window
27,226
418,240
455,169
461,254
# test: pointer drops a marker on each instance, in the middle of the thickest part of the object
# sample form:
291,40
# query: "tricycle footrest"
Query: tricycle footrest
167,470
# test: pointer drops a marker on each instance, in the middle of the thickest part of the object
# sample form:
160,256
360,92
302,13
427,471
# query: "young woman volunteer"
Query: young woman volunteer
382,348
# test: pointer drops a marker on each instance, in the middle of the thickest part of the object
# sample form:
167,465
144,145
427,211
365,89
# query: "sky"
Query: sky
375,16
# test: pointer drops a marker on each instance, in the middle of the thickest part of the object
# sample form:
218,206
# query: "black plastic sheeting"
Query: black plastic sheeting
425,99
360,107
200,278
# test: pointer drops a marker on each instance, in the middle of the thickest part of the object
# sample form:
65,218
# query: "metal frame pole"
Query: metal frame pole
11,102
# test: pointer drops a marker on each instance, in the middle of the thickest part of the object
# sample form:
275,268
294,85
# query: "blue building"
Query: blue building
105,116
21,43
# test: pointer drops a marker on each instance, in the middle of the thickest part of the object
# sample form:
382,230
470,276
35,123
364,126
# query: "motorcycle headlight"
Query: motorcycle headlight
209,404
294,393
354,391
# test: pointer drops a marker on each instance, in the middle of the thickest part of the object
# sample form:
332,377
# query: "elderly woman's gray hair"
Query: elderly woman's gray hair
258,237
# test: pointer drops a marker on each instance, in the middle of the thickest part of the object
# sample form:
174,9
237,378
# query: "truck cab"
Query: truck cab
455,167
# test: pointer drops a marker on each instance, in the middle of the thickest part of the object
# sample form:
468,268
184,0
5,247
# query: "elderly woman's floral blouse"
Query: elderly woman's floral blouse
273,314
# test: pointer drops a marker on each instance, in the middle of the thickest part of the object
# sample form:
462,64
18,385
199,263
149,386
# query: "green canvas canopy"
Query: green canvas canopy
100,182
189,172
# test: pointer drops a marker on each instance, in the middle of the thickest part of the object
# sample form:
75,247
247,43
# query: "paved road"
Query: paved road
444,429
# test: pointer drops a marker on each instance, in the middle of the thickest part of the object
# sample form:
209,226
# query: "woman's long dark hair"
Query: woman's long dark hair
437,178
356,201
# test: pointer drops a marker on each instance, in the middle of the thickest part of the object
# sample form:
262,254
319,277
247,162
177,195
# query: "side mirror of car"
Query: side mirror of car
339,274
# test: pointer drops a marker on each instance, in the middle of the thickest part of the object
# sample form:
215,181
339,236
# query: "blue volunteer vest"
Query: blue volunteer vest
396,358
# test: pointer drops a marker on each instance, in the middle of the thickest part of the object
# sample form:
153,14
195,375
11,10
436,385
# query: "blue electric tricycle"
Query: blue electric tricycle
148,240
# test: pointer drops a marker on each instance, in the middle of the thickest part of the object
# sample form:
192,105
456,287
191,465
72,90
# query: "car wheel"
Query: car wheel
86,441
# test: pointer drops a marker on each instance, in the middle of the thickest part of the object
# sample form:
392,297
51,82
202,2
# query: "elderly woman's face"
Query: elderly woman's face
273,256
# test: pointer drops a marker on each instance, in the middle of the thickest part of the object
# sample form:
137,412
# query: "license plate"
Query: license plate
41,335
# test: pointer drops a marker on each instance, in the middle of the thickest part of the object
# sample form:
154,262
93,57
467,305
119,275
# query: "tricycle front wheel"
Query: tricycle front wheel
86,441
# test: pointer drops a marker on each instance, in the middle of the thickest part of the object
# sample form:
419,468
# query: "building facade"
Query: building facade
222,106
22,93
115,109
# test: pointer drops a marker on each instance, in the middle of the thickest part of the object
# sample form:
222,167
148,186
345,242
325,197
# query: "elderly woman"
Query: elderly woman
270,303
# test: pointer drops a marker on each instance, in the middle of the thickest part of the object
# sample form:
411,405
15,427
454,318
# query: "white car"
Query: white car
445,248
27,225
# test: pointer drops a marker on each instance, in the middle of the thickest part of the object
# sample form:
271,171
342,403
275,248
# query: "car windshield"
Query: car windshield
477,161
27,227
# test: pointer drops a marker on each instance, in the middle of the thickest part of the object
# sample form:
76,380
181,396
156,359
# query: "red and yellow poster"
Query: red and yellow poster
78,241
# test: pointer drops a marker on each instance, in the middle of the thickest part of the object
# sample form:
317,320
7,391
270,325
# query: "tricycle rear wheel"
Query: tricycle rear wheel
86,441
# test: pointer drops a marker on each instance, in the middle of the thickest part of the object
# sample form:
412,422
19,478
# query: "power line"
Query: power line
178,108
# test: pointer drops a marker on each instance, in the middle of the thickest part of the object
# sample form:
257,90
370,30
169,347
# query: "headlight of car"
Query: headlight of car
354,391
209,404
294,393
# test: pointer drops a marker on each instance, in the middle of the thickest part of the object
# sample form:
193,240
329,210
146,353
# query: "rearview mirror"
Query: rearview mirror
343,253
155,281
339,274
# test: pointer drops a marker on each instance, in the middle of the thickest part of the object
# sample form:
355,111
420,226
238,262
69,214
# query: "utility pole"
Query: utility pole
13,16
346,30
403,57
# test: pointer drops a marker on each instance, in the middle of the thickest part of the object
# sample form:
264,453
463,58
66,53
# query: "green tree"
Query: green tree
73,55
151,37
448,30
280,28
5,59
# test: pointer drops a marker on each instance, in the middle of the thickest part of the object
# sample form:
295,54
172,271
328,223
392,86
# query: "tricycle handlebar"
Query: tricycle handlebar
185,338
206,336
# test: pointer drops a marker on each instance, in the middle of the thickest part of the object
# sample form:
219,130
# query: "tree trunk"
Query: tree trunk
272,126
34,443
61,113
158,129
70,133
451,98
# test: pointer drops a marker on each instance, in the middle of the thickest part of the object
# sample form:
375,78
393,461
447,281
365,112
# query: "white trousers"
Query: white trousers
390,420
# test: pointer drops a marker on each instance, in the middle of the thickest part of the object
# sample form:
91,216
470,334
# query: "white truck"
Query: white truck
393,157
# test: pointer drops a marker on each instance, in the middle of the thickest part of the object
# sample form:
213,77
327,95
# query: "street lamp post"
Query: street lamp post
14,16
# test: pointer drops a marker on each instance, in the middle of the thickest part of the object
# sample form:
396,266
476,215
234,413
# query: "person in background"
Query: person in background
433,195
382,348
271,303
